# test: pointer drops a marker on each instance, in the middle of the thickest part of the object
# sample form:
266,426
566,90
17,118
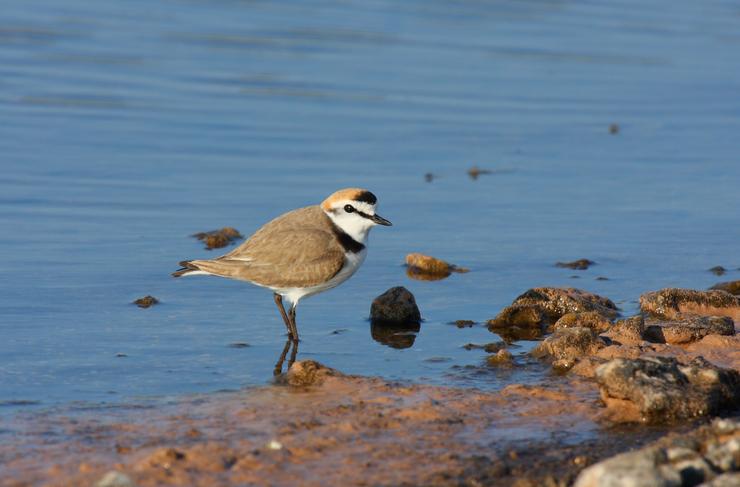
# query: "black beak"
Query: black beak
381,221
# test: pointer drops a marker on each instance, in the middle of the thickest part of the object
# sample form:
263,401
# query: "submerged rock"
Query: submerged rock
675,460
464,323
396,306
215,239
590,319
567,345
427,268
732,287
661,390
718,270
146,301
579,265
671,303
306,373
689,329
542,306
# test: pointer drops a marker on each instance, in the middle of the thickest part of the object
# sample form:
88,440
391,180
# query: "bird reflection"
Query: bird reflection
395,336
279,365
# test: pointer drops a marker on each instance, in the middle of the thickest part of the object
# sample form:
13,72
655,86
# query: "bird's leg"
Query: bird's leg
293,326
279,303
293,354
279,365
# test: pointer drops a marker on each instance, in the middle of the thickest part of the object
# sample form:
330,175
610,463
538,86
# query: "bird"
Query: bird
302,252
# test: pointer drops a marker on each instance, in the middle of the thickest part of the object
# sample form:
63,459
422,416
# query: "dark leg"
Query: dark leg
279,365
279,303
293,354
293,326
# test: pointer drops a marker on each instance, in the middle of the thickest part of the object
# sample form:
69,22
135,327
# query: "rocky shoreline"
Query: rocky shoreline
619,384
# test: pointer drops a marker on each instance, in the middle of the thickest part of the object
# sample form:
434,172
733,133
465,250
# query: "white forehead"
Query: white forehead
358,205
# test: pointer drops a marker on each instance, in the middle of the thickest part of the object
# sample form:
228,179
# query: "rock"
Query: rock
589,319
718,270
690,329
494,347
613,129
628,330
579,265
216,239
426,268
675,460
464,323
305,373
542,306
671,303
396,306
146,301
567,345
661,390
732,287
500,358
115,479
395,336
475,172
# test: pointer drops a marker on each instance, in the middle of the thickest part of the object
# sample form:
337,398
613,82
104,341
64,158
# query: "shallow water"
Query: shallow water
126,127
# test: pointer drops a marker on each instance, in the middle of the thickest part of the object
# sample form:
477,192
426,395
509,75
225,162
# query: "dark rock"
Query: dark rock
146,301
689,329
718,270
395,336
239,345
661,390
464,323
494,347
216,239
545,305
305,373
732,287
500,358
602,278
614,129
674,460
579,265
567,345
429,177
671,303
396,306
588,319
515,333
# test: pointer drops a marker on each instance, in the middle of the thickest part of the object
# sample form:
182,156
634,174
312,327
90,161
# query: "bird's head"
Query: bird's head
353,211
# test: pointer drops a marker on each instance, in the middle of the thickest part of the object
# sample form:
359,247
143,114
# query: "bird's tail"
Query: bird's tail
188,268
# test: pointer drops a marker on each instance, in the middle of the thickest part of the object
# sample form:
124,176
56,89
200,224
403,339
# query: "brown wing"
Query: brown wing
294,250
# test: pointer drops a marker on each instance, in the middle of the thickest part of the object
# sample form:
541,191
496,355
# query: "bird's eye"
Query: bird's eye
349,208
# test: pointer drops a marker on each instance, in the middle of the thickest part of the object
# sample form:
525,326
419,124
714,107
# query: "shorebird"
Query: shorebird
302,252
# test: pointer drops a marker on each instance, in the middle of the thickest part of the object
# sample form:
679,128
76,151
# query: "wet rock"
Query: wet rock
395,336
426,268
146,301
501,358
661,390
671,303
718,270
475,172
464,323
589,319
732,287
614,129
307,373
567,345
115,479
579,265
216,239
689,329
628,330
166,458
674,460
488,347
396,306
545,305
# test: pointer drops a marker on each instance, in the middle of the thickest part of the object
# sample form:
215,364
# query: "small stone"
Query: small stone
579,265
274,445
475,172
396,306
115,479
429,177
216,239
718,270
428,268
464,323
239,345
613,129
146,301
307,373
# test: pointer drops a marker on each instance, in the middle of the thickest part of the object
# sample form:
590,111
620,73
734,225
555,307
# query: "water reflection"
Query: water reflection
279,365
395,336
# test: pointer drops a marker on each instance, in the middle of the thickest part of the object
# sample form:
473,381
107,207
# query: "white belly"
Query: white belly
352,262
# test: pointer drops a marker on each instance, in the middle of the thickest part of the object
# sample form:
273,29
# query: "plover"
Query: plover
302,252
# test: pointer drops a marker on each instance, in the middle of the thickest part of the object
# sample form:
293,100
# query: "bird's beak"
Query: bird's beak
380,220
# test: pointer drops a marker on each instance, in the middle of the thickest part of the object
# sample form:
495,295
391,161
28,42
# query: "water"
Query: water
127,126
